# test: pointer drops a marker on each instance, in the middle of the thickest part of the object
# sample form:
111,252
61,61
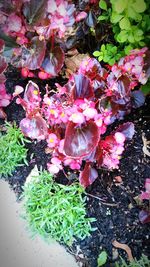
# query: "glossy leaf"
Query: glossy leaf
34,11
102,4
33,56
88,175
2,44
144,216
82,87
3,64
34,128
80,140
138,98
102,258
90,20
32,93
9,41
2,114
122,95
139,6
127,129
53,63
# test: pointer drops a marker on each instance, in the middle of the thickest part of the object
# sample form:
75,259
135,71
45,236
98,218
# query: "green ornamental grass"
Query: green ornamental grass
142,262
56,211
12,150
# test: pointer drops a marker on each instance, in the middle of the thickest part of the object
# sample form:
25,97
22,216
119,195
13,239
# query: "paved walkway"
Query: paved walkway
17,249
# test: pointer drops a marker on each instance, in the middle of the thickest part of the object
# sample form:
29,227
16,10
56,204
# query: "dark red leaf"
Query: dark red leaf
2,44
3,64
127,129
90,20
34,128
82,88
2,78
88,175
144,216
54,62
138,98
34,11
2,114
33,56
81,140
122,95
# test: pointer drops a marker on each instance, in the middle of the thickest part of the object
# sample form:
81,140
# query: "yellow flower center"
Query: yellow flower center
35,92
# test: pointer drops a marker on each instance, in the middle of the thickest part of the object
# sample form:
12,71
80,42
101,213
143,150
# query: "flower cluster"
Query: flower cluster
4,100
61,15
146,194
133,65
111,149
4,97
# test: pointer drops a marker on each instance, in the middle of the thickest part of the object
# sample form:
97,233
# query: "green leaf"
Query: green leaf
96,54
112,61
100,58
131,38
103,5
102,258
131,13
120,5
115,17
127,49
103,48
122,36
125,24
146,88
139,6
102,17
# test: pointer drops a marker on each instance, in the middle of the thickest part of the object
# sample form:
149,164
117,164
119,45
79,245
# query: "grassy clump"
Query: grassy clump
12,150
142,262
54,210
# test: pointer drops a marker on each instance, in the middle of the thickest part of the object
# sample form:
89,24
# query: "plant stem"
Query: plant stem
102,201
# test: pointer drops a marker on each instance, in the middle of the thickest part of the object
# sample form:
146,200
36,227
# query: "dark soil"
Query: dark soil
117,211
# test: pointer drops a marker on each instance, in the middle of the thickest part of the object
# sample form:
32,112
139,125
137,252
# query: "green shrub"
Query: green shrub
108,53
130,20
54,210
12,150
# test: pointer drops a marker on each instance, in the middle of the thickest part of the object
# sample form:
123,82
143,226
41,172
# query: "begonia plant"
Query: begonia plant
74,119
144,214
34,33
4,97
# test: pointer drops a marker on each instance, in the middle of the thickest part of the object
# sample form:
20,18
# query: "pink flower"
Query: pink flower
120,138
14,24
90,113
18,90
61,146
4,97
72,163
52,140
77,117
56,161
146,194
52,168
82,15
